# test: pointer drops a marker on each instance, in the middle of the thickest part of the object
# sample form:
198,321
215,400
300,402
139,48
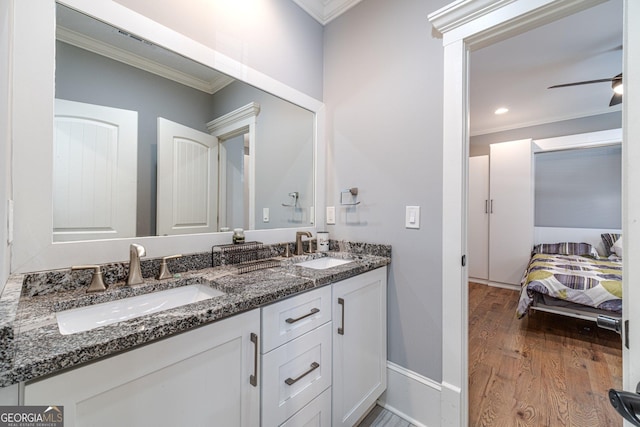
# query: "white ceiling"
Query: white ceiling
517,72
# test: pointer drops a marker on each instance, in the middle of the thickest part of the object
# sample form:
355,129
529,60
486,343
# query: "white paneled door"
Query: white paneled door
478,225
94,172
187,172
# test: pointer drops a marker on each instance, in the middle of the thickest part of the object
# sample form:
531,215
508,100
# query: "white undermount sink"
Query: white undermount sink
322,263
93,316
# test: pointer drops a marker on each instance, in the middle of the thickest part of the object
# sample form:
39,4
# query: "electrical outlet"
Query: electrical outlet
265,214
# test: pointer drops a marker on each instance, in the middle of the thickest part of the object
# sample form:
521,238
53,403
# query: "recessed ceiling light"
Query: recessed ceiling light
502,110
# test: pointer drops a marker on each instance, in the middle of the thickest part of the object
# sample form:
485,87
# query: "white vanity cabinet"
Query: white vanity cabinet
297,360
200,377
359,345
317,359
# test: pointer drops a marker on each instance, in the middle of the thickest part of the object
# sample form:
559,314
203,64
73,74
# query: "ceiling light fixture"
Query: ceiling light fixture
617,86
501,110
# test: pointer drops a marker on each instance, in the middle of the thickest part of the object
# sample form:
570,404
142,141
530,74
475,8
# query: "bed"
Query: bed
574,279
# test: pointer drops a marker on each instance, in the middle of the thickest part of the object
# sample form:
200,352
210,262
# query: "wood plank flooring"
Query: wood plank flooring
543,370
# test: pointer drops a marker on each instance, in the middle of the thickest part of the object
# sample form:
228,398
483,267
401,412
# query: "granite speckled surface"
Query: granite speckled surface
32,345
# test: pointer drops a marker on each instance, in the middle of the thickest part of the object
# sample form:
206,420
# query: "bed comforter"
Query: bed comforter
578,279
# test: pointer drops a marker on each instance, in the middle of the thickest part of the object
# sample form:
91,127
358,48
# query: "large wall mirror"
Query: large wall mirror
85,66
137,146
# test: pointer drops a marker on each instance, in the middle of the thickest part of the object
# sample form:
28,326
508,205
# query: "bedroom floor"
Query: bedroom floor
543,370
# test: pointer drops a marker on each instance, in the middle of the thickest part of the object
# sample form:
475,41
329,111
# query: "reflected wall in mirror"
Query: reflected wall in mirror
99,65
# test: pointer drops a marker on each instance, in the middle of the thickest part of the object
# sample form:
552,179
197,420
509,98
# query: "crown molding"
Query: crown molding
460,12
521,125
252,109
92,45
325,11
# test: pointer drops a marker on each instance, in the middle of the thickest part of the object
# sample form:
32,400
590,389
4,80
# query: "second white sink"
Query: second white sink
93,316
322,263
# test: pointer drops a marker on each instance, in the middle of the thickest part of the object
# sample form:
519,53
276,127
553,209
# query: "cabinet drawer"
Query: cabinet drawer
294,374
288,319
315,414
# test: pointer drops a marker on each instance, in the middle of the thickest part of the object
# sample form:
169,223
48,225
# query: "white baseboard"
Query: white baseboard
412,396
505,286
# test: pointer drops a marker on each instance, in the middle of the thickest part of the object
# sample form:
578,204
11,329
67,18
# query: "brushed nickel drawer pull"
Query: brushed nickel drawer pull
311,313
253,379
292,381
341,328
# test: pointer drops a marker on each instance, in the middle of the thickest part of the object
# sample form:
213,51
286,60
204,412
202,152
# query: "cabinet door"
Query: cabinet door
478,240
511,228
201,377
359,345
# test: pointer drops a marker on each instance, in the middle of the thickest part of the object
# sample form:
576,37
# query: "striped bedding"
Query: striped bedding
592,282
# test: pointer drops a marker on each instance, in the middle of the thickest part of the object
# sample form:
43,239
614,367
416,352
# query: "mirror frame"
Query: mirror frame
32,247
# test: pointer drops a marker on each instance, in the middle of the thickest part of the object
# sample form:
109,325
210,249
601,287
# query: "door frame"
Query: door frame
467,25
238,122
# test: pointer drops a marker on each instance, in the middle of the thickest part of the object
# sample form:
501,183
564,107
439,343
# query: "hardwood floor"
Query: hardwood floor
543,370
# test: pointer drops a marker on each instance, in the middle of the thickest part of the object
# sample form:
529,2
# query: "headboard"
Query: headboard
579,235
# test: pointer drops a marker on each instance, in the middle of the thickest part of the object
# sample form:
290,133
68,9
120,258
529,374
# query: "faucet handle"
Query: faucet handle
164,268
140,250
97,280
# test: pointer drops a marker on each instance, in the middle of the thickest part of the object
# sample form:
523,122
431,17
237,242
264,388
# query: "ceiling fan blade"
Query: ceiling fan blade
586,82
615,99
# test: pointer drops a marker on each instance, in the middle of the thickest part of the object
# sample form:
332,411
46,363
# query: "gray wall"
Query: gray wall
284,153
480,143
5,136
275,37
383,92
580,188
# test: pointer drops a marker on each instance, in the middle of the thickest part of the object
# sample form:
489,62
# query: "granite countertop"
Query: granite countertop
35,347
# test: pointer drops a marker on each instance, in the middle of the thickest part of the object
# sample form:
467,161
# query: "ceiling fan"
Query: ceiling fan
616,85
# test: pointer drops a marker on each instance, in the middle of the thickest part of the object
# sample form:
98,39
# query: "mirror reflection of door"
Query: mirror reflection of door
187,179
94,172
234,182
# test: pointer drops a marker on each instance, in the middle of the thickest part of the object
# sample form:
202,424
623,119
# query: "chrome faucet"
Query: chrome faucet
135,273
299,234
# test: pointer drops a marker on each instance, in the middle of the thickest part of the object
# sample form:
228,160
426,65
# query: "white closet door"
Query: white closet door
478,233
94,172
511,206
187,180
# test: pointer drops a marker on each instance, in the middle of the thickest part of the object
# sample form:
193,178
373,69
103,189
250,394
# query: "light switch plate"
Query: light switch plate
331,215
412,217
265,214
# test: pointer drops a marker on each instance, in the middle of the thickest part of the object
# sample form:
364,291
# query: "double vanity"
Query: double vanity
301,342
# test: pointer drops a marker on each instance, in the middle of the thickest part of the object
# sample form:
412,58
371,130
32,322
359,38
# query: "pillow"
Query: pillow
617,247
608,239
566,248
